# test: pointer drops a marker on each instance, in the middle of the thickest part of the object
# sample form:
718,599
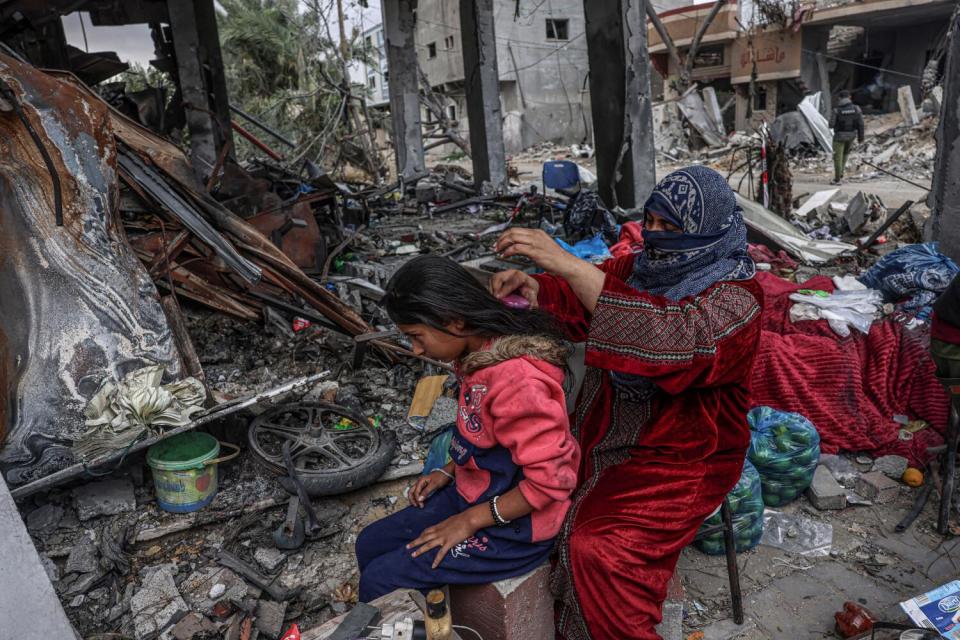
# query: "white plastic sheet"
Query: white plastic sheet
809,107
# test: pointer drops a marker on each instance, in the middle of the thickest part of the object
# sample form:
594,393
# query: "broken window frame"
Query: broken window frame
449,43
558,29
759,98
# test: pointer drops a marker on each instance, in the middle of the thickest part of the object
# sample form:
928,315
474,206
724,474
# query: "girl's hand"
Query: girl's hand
537,245
425,486
445,535
513,281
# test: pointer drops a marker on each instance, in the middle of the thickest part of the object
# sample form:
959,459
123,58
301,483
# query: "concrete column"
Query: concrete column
620,90
944,198
29,607
400,26
200,74
482,86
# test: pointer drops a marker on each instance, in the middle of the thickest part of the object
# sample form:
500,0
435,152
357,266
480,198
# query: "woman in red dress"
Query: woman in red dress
670,338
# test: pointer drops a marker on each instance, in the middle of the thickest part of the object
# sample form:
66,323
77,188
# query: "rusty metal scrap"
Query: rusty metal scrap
77,304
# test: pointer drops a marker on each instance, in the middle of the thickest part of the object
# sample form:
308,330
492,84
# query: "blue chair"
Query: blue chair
562,176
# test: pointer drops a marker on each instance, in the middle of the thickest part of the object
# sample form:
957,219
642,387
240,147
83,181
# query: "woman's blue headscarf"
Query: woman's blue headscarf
711,246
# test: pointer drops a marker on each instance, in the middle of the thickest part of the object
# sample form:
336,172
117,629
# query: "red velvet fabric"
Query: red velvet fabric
654,465
849,388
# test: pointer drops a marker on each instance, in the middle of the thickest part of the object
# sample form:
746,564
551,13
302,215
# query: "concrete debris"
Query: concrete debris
825,492
157,604
877,487
270,617
269,558
105,497
193,625
83,557
908,109
891,466
44,519
201,591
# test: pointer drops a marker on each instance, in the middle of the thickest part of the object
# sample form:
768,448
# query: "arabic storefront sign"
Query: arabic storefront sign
777,56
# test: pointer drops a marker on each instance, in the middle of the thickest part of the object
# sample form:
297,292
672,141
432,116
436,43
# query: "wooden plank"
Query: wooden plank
428,390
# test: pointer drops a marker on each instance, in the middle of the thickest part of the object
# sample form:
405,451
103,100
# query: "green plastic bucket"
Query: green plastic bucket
185,470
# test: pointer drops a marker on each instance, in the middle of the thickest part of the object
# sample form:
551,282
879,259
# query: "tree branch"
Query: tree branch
687,68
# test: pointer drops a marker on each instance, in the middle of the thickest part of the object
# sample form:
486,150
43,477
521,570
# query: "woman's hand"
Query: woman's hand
445,535
539,247
425,486
513,281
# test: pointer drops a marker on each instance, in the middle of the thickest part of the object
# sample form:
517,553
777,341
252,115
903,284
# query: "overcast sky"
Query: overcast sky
134,45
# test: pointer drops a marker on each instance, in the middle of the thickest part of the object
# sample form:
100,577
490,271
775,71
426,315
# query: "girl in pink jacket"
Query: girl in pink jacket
493,511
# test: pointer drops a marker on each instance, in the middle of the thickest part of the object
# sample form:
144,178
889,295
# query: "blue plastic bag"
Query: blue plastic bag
439,454
746,507
592,249
785,449
913,276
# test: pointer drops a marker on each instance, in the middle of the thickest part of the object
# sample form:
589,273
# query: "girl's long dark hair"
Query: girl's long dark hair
436,291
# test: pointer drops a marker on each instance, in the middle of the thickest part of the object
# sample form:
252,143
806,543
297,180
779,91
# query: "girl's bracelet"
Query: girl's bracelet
444,472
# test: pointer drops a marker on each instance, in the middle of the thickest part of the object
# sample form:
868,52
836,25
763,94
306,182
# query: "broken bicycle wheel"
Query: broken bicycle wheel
334,449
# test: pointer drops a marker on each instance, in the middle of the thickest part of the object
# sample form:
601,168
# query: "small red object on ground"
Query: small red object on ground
299,324
853,620
293,633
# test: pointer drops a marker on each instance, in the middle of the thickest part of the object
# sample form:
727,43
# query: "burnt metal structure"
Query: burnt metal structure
77,304
187,45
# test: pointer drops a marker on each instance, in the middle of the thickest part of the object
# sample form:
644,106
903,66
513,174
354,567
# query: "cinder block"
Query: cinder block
516,609
877,487
825,492
671,626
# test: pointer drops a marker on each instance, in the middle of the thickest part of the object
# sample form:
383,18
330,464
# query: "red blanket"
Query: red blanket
850,388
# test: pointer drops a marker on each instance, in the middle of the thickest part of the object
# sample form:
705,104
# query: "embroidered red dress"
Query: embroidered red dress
657,459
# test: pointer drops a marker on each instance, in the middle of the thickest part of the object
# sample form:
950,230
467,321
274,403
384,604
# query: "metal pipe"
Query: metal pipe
263,127
919,186
256,141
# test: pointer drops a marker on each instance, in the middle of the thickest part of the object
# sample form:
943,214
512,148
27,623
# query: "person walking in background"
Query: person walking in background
846,120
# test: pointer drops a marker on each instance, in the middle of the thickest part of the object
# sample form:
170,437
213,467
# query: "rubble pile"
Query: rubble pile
903,150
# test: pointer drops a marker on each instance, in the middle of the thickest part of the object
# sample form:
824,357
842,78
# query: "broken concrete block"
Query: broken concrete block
891,466
193,625
104,498
83,557
671,624
825,492
513,609
53,571
199,588
157,604
908,109
45,519
858,209
270,618
269,558
877,487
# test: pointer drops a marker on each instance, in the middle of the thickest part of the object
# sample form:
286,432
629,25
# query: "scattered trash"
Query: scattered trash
936,609
854,619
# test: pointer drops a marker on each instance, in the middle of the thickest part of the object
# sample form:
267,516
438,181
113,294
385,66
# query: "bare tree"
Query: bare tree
685,65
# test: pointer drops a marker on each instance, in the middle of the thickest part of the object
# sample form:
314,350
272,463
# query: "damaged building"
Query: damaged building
761,58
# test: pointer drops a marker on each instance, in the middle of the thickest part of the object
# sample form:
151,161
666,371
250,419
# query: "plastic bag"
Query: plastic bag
439,454
912,276
785,449
841,310
746,507
797,534
592,249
